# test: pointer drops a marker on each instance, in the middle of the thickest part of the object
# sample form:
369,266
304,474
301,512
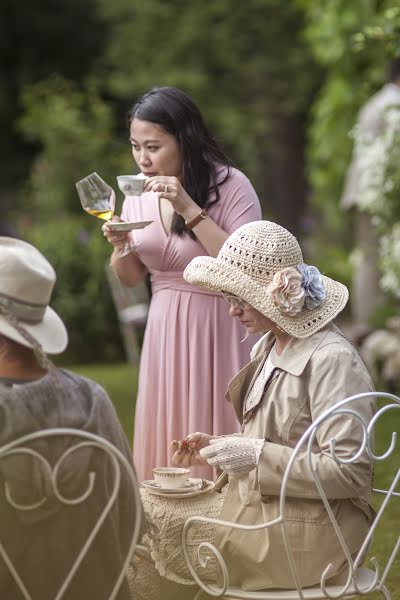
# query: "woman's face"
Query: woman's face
251,318
155,151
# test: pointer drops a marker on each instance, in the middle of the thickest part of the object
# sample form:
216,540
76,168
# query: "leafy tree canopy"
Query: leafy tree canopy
242,62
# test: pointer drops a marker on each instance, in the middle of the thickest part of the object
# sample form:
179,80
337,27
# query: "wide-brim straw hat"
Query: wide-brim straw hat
246,265
26,283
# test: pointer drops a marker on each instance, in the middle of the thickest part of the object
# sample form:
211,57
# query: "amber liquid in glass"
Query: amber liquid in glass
105,215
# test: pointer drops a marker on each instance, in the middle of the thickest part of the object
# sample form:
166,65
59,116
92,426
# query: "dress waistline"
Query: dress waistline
173,280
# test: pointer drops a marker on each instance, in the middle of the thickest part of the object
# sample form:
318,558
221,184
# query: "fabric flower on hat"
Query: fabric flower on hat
287,292
313,285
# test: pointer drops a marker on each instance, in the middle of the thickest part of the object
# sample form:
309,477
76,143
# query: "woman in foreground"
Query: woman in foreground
301,367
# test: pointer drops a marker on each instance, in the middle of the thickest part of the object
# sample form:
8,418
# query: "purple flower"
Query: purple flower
313,285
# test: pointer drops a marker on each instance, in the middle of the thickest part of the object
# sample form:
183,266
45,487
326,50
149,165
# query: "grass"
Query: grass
120,381
384,474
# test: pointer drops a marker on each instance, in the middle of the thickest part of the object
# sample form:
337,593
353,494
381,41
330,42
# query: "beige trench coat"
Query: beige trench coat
310,376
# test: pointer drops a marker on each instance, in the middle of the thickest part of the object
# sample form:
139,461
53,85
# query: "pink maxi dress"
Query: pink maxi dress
191,347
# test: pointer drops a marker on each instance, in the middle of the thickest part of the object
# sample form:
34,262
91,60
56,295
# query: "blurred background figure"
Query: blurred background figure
366,293
195,198
380,350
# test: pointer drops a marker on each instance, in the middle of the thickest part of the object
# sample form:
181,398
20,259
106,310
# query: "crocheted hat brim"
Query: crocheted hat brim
211,273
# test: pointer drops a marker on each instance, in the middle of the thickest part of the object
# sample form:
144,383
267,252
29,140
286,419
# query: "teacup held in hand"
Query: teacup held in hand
131,185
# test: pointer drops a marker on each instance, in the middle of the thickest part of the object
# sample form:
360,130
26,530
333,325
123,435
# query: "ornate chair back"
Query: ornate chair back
359,580
132,307
77,484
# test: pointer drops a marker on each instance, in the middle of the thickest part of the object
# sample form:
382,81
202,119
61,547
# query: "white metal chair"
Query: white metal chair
132,306
360,580
41,467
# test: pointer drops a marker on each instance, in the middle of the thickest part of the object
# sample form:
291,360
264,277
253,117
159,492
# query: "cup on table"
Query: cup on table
131,185
171,477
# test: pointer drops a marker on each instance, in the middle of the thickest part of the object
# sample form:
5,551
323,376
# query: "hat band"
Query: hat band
31,313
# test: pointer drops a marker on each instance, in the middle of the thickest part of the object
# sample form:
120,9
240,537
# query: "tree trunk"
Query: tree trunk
284,186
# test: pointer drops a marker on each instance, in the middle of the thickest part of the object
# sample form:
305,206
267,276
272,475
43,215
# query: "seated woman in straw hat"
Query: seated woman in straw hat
299,368
43,542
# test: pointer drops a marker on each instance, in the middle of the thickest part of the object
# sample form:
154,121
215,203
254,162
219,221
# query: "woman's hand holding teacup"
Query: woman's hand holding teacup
186,452
172,189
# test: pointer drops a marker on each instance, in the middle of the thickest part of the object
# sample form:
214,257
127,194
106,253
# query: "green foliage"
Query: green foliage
351,76
330,146
380,318
75,128
210,49
384,30
243,63
333,260
353,42
38,39
331,26
81,296
120,381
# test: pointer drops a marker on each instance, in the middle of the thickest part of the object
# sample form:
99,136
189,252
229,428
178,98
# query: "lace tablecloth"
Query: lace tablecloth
165,544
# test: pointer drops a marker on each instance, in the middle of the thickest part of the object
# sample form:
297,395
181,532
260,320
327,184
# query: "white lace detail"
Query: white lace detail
169,516
257,390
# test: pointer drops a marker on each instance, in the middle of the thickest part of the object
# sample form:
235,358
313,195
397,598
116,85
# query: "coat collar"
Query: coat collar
297,352
293,360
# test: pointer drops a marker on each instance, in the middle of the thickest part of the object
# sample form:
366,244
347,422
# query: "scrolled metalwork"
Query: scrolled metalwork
52,475
371,428
203,554
7,488
375,577
340,460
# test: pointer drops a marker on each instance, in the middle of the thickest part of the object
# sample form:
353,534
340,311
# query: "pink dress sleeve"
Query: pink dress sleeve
239,202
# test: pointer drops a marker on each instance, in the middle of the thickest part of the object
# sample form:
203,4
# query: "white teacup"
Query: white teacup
171,477
131,185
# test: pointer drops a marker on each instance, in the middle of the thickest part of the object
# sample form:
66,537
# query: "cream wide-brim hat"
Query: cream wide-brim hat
26,283
246,265
51,333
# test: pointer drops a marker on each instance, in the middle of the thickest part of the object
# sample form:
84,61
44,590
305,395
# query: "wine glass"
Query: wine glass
98,199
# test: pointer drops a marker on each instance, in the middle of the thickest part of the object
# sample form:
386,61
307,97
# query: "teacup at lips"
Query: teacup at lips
171,477
131,185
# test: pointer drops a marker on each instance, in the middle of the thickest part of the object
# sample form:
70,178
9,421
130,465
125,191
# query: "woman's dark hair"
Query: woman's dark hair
178,115
393,70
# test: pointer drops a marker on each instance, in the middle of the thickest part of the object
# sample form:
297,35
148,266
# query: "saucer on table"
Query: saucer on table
192,487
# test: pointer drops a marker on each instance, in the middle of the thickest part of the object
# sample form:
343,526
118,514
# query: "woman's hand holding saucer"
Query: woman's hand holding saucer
118,239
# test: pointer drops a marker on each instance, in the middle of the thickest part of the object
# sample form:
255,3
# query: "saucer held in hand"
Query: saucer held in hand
127,226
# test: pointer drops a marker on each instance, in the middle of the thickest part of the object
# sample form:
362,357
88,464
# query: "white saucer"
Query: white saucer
192,488
127,226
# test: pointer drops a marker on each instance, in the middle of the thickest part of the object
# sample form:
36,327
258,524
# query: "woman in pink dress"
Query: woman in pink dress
196,199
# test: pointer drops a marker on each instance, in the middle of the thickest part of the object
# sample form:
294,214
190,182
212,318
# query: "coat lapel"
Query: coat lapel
242,381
